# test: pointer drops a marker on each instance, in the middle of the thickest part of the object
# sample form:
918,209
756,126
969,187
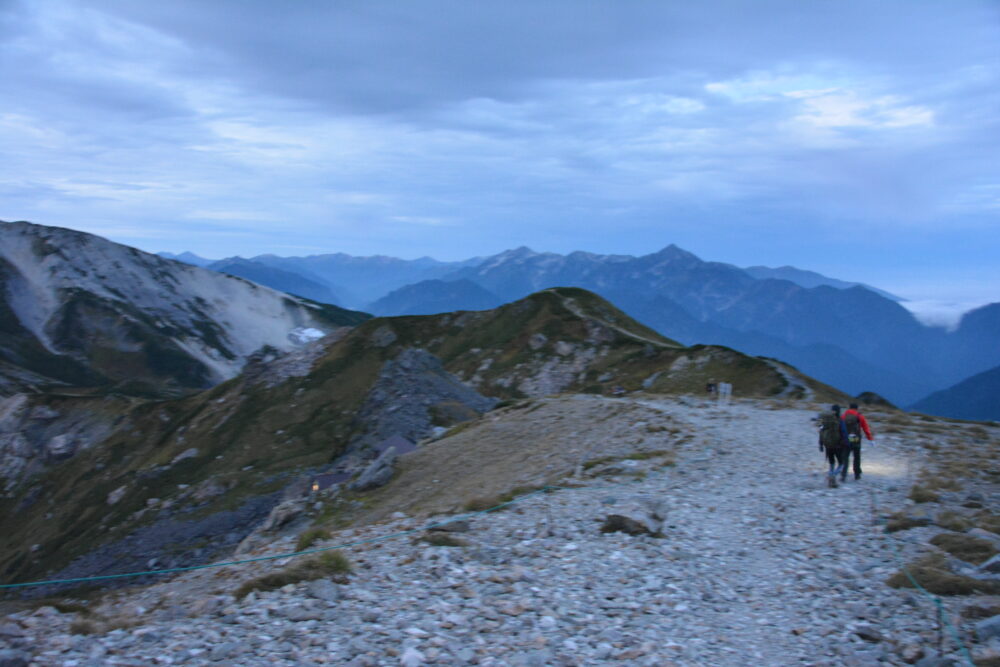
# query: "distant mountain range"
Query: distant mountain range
851,335
354,282
811,279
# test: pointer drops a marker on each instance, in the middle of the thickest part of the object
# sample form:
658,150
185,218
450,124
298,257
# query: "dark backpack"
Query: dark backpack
829,431
853,425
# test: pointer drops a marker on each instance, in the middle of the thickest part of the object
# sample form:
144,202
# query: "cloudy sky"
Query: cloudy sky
858,139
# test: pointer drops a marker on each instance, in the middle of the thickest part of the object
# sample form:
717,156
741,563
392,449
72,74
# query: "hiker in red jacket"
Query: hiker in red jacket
855,423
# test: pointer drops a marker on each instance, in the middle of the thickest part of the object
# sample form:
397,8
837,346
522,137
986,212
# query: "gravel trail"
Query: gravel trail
760,564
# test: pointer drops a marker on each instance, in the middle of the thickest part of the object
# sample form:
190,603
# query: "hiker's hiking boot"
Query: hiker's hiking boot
831,481
857,476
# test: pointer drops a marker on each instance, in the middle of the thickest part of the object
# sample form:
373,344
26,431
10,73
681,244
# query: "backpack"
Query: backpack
829,431
853,425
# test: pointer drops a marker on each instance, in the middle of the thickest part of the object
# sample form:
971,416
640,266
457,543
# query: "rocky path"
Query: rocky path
798,567
760,564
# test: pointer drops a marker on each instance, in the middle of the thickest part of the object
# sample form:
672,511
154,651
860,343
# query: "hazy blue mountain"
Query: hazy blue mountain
976,341
429,297
187,258
977,397
804,278
828,362
359,281
275,278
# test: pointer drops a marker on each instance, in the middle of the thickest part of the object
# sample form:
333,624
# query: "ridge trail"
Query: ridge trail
761,564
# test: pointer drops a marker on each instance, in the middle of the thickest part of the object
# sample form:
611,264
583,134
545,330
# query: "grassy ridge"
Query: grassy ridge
251,439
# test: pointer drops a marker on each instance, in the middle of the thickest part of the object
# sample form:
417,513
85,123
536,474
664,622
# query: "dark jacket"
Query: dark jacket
861,420
843,433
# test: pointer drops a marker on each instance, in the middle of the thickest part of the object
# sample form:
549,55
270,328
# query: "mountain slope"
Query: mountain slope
977,398
228,454
435,296
80,310
975,341
361,280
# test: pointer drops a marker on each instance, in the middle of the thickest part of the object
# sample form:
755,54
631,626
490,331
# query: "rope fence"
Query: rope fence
874,507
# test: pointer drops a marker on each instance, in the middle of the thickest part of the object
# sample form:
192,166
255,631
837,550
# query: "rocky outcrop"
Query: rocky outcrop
38,431
403,399
378,473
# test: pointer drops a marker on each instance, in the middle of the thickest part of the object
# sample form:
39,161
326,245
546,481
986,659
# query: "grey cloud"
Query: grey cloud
562,125
387,57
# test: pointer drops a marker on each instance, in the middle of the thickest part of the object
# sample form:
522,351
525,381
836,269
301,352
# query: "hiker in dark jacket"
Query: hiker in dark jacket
833,440
855,423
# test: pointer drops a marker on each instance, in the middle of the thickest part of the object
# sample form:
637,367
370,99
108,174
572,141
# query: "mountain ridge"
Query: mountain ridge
82,310
251,438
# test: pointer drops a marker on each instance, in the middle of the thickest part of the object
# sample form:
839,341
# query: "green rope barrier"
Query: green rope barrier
175,570
942,612
896,553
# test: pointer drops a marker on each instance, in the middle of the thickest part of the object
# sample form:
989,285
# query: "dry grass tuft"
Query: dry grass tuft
481,504
978,611
904,521
942,484
329,565
952,521
988,521
932,573
311,537
971,549
920,494
83,627
439,539
666,454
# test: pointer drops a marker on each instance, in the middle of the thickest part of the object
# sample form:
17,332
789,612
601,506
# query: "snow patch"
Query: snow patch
303,335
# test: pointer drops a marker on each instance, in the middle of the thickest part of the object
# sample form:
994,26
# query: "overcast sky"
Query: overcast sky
858,139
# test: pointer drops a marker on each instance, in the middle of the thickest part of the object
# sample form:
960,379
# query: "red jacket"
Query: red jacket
861,420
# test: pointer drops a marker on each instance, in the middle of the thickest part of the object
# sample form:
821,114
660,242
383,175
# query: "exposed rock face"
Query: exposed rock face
283,514
78,309
38,431
407,389
560,371
154,546
378,473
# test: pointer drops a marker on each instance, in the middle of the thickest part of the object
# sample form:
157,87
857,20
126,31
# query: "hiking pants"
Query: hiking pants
838,460
856,449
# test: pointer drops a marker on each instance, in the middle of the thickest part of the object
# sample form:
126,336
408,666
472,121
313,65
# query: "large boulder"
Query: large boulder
378,473
284,514
638,515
